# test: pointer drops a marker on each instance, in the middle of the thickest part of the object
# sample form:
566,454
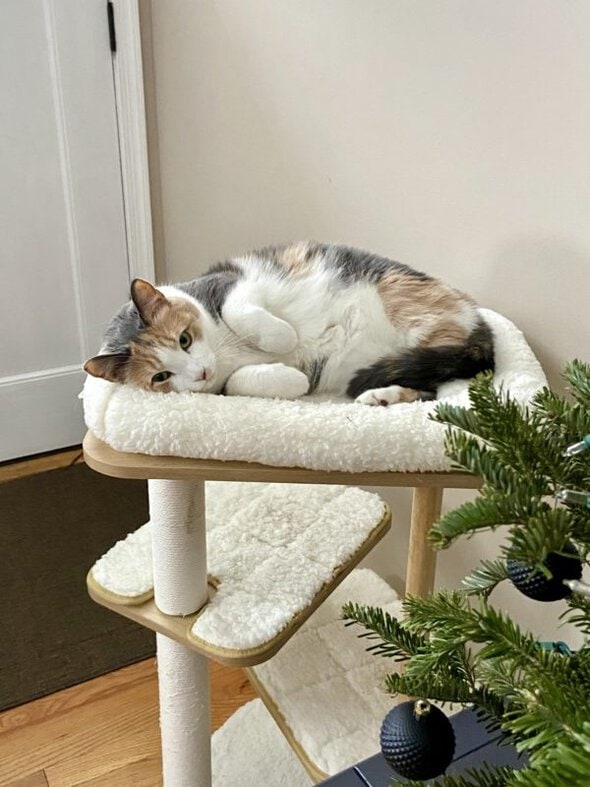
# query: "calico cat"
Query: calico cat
307,317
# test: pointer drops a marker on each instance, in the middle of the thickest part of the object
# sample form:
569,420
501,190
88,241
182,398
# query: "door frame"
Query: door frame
133,146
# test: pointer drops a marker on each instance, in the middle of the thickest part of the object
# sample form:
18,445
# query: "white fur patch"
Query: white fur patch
191,371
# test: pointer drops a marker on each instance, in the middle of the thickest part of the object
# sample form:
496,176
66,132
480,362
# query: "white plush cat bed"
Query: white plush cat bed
306,433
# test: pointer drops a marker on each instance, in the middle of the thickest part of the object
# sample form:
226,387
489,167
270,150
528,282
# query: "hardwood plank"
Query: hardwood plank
104,459
143,773
10,471
45,708
103,730
230,689
96,737
32,780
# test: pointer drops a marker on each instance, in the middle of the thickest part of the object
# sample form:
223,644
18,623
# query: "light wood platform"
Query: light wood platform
179,628
104,459
428,490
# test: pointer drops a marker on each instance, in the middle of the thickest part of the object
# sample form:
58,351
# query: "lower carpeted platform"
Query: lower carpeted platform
250,749
53,527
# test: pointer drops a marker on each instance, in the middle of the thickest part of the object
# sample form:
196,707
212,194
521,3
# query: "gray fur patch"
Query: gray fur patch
212,288
355,265
123,327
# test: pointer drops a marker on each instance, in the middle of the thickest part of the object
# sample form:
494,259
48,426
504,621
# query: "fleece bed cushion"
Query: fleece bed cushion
251,746
325,688
271,549
309,432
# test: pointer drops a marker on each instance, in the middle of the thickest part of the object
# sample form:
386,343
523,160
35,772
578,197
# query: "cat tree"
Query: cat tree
286,527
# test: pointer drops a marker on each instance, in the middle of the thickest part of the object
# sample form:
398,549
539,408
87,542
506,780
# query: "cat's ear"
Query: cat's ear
109,367
147,299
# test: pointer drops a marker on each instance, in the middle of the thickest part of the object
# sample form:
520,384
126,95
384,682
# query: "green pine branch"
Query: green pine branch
444,689
578,613
548,530
577,373
457,647
483,513
395,640
487,576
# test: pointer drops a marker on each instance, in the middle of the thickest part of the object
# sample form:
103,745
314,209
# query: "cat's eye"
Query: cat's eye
185,340
161,377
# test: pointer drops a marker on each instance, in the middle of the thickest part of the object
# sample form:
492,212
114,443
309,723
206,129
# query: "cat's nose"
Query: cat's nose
201,375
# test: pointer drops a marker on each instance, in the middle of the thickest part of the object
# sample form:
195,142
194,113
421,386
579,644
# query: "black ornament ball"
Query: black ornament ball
417,740
534,584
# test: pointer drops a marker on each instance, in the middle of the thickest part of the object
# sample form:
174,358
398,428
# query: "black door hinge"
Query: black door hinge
112,33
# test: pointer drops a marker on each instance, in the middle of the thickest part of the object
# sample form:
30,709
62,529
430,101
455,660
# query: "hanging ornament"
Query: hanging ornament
417,740
535,584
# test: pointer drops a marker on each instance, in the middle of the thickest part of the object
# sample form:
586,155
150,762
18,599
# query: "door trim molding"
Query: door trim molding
130,101
27,377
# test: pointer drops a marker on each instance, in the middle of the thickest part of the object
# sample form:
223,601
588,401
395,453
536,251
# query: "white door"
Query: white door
62,230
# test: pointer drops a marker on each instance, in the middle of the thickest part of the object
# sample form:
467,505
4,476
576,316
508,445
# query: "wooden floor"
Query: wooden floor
103,733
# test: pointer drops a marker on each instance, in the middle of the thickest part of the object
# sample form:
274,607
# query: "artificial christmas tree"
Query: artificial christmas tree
535,465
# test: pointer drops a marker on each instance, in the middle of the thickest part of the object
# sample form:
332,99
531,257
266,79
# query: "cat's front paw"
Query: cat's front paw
287,383
270,380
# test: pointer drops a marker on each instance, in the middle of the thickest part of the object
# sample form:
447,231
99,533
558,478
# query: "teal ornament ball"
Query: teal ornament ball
417,740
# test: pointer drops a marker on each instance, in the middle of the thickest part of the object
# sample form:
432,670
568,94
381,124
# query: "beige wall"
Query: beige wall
454,136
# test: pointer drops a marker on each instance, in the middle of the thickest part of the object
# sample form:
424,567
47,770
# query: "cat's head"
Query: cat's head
156,343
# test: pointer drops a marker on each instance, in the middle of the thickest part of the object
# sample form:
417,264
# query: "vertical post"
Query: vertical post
185,726
426,507
179,547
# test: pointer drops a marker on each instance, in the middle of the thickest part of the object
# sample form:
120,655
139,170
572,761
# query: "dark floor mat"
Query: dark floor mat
53,527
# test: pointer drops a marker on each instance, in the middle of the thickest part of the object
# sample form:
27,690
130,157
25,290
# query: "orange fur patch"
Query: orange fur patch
295,259
170,321
407,300
409,394
447,333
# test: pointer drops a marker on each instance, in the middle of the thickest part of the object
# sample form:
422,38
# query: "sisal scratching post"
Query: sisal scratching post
183,685
426,507
179,547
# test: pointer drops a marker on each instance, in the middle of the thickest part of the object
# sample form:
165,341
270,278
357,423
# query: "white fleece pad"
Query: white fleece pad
271,547
329,690
249,749
304,433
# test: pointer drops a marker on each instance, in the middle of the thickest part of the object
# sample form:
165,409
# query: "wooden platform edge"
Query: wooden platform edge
106,460
115,598
312,769
179,628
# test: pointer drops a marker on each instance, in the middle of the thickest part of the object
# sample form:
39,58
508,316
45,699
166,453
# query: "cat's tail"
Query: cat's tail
425,368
